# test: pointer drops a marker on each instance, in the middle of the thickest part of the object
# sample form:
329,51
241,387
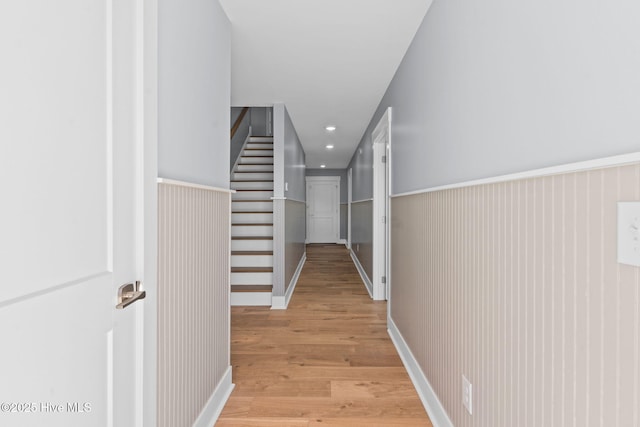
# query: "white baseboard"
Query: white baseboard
210,413
281,303
342,242
363,274
430,401
251,298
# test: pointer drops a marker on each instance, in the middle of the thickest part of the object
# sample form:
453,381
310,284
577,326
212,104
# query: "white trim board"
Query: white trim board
363,274
381,137
604,162
281,303
211,411
430,401
192,185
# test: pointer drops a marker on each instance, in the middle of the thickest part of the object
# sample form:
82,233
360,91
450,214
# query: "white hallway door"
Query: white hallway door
323,209
71,184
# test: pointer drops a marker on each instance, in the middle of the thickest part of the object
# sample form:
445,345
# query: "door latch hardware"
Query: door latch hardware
129,293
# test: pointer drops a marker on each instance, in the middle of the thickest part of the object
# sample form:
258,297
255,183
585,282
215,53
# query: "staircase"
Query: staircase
252,224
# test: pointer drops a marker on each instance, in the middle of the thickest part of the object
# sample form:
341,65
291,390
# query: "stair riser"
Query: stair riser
252,245
255,160
251,278
253,195
252,218
255,168
252,206
251,299
253,176
252,185
251,230
251,260
258,153
258,145
261,139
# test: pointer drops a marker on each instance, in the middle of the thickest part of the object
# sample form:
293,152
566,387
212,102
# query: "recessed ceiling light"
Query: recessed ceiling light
323,166
330,128
330,147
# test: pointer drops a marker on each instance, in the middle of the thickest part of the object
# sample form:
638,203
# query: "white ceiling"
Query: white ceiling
328,61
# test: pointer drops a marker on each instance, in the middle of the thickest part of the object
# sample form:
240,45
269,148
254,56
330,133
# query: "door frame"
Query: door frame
147,55
331,180
349,201
381,137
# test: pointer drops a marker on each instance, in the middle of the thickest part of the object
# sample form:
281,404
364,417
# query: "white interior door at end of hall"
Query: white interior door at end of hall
323,216
68,217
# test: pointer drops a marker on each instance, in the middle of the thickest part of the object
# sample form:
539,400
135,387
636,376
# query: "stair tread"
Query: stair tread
251,288
252,269
249,253
254,224
251,237
252,212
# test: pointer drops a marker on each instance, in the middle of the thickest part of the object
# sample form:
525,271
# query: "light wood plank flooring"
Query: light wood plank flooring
325,361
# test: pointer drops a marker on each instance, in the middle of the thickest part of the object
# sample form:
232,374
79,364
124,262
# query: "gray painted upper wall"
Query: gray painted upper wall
289,158
260,116
362,165
194,85
502,87
342,173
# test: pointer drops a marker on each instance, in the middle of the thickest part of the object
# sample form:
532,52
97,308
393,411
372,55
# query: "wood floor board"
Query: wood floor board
371,389
260,322
259,361
321,407
262,422
312,373
261,386
368,422
325,361
237,407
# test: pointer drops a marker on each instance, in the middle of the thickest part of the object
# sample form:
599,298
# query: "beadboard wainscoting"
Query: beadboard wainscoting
295,234
515,285
194,375
289,248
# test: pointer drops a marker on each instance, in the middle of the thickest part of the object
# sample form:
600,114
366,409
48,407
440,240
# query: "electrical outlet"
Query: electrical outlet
629,233
357,247
286,186
467,395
